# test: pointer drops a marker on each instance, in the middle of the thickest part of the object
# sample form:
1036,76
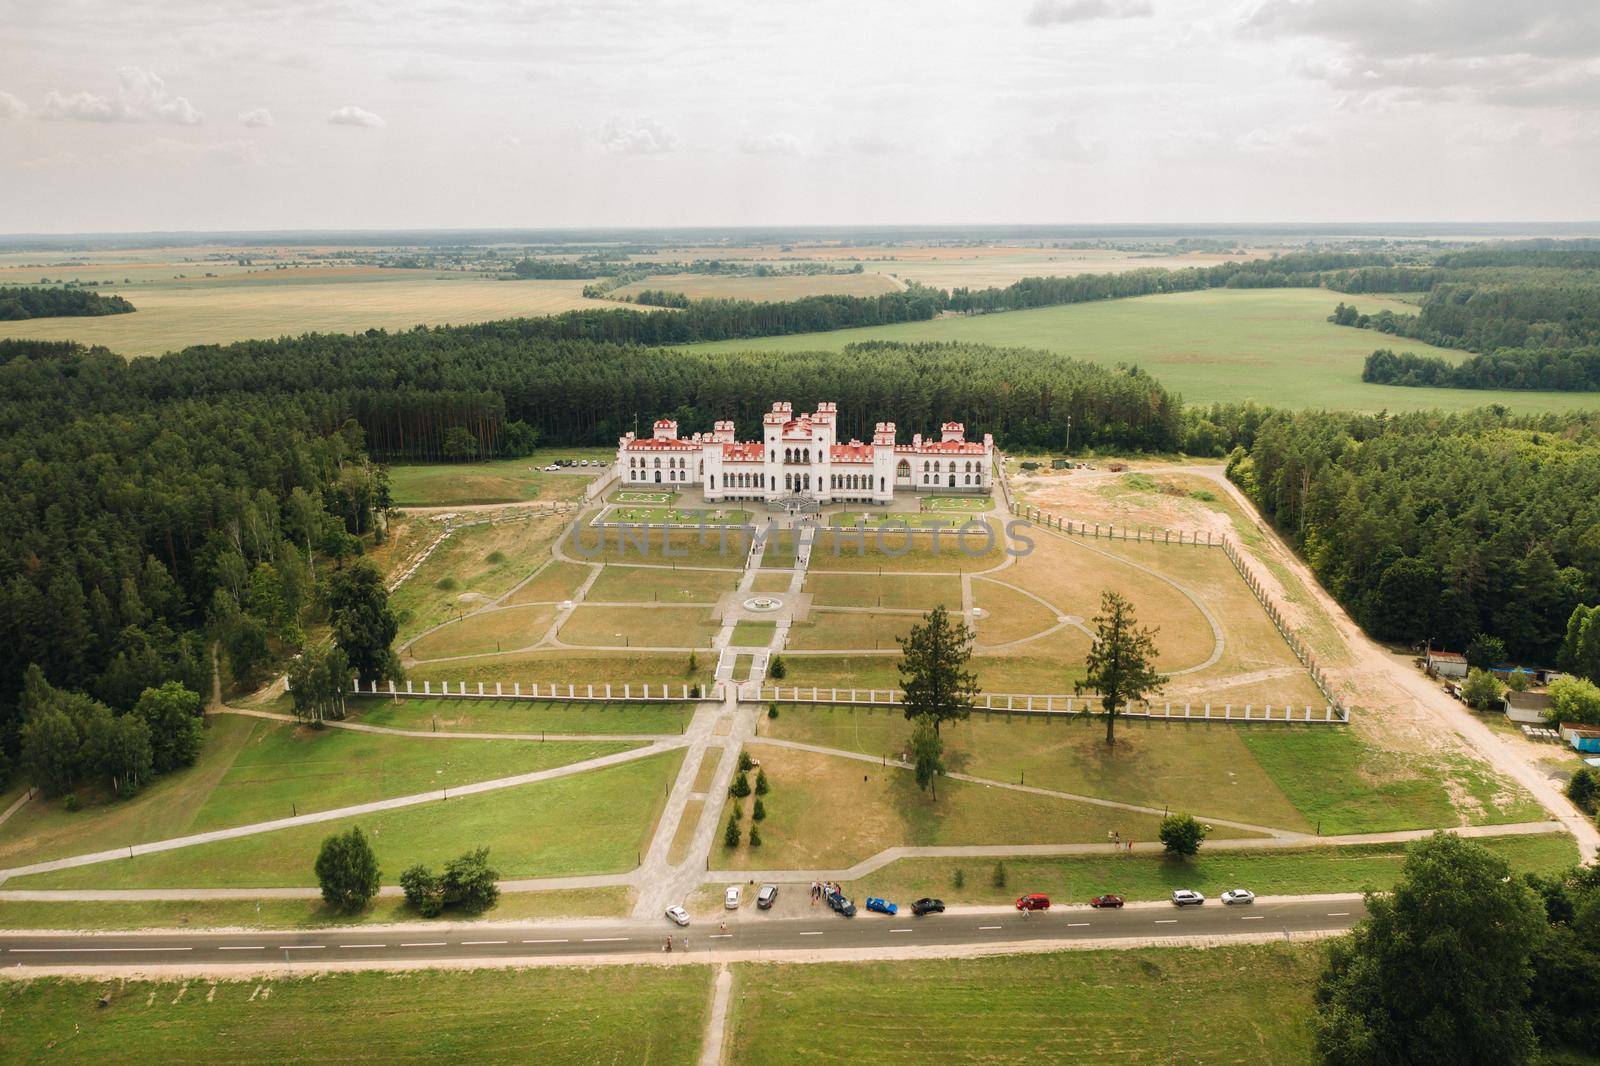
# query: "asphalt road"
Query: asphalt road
749,932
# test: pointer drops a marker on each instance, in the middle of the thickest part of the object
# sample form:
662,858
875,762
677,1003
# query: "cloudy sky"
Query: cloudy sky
256,114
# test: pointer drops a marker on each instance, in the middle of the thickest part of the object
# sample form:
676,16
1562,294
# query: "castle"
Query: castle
800,456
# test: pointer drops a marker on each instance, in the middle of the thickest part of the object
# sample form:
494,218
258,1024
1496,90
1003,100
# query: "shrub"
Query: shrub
422,891
746,763
761,783
496,556
731,837
694,690
1182,835
1574,699
445,584
999,878
347,870
1581,789
776,670
741,786
755,837
959,878
760,811
694,663
69,802
469,882
1482,690
772,712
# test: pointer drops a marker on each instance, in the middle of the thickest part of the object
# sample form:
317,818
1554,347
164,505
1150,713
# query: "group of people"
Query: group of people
820,889
683,943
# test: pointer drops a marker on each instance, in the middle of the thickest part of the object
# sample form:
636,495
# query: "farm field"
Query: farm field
1296,777
1079,1006
176,314
586,823
791,287
263,770
608,902
1274,346
551,1015
496,481
521,716
1275,871
803,828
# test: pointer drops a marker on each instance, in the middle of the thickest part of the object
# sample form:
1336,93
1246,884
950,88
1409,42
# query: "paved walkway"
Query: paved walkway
394,803
16,806
713,1050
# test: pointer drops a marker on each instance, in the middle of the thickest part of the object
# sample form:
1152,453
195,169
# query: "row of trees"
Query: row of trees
1431,526
1543,369
19,302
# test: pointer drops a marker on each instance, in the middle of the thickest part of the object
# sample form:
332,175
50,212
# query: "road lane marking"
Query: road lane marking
230,947
1076,925
302,947
426,944
544,941
481,943
983,927
1252,917
349,946
65,951
604,939
1166,921
1338,914
720,936
899,930
811,932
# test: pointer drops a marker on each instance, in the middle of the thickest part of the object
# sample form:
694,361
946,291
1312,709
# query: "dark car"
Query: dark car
1033,901
1106,901
767,896
927,905
843,907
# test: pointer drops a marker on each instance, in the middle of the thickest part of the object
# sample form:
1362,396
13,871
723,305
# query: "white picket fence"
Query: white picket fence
514,690
1023,703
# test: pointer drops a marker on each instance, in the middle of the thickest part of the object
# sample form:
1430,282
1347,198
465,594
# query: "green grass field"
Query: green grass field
897,591
639,496
893,520
564,666
499,629
958,503
1152,1005
496,481
640,627
605,1015
752,634
593,822
474,566
1269,871
676,516
635,584
1274,346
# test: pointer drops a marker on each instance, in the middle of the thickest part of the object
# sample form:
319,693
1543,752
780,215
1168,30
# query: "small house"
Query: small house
1447,663
1585,738
1061,464
1527,707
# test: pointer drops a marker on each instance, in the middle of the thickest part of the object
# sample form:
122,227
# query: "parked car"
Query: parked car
767,896
1106,901
730,898
678,915
1033,901
1183,897
839,905
1238,895
879,905
927,905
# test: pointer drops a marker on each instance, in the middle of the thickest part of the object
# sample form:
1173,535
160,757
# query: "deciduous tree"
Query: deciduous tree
347,870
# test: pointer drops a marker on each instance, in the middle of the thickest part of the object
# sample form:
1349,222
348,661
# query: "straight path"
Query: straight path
970,931
393,803
358,727
711,1051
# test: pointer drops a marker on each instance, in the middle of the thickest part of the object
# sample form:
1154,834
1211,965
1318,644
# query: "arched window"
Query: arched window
903,470
924,479
967,479
658,462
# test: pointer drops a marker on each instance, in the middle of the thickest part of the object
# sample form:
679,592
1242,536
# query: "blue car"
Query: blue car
882,906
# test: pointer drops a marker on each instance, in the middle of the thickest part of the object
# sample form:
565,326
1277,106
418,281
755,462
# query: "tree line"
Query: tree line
18,302
1541,369
1438,527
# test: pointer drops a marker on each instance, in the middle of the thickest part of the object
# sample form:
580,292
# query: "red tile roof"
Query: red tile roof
662,446
854,452
742,451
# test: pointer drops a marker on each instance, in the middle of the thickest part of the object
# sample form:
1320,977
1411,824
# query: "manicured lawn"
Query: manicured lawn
723,547
892,551
496,481
593,822
824,630
566,666
475,566
604,1015
610,902
640,627
1010,614
521,716
707,769
1275,346
752,634
1346,786
1269,871
1241,1004
894,519
692,516
770,581
637,584
558,581
842,671
958,503
641,496
1207,770
500,629
901,591
828,811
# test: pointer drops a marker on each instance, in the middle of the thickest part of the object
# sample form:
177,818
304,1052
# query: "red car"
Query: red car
1106,901
1033,901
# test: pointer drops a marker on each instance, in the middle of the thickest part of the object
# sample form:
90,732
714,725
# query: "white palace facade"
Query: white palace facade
800,456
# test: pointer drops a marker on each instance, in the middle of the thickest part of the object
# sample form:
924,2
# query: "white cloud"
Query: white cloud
1057,12
256,116
507,143
11,107
637,136
770,144
1066,143
350,115
420,70
141,96
1296,140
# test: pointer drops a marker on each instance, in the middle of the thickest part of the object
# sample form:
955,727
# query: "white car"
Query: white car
1184,897
730,899
1238,895
678,915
